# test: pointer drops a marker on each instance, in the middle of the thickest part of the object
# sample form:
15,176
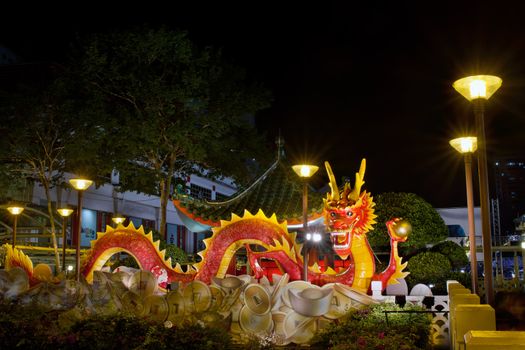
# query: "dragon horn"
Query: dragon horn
354,195
333,184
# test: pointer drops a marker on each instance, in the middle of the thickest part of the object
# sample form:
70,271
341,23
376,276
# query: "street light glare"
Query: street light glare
80,184
464,145
317,237
65,212
15,210
118,219
478,89
477,86
305,170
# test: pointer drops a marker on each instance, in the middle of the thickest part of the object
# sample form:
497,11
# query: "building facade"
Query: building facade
100,204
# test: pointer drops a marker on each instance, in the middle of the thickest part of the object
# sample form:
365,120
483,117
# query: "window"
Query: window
199,192
220,197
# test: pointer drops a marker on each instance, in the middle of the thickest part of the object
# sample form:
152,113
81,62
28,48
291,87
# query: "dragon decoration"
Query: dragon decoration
349,215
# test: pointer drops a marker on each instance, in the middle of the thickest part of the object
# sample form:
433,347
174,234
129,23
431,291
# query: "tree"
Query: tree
179,108
429,268
454,252
38,134
427,226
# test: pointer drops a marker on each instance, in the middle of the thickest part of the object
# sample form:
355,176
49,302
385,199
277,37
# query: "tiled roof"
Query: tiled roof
279,190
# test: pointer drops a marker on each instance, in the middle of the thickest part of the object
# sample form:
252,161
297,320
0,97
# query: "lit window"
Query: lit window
200,192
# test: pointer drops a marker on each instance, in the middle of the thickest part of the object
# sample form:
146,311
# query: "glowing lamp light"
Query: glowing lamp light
80,184
15,210
464,145
523,245
478,86
316,237
70,268
118,219
305,170
65,212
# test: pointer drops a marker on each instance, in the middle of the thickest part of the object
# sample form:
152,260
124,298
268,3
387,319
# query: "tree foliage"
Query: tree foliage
179,108
427,226
454,252
39,131
429,268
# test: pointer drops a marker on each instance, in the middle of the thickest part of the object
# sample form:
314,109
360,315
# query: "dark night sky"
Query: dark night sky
349,81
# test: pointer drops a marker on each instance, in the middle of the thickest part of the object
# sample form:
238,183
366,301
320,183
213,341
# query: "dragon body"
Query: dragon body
349,215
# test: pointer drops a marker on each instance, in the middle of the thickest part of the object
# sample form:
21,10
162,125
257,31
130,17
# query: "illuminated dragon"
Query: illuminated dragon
349,214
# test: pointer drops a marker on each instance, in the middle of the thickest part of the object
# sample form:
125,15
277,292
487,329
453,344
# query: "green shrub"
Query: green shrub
187,336
454,252
176,254
427,225
429,268
26,327
367,329
35,327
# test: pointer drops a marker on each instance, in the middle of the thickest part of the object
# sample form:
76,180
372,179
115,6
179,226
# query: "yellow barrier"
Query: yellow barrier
458,299
471,317
453,284
495,340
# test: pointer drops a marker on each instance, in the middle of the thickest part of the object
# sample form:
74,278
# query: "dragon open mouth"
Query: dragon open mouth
342,243
341,240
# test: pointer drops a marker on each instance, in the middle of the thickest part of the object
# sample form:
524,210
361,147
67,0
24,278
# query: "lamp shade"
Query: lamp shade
118,219
80,184
15,210
305,170
477,86
464,145
65,212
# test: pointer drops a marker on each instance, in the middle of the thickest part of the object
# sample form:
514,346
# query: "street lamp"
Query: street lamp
478,89
305,171
80,185
15,210
467,146
118,219
64,213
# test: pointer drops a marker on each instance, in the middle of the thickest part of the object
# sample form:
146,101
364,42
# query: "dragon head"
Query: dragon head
348,212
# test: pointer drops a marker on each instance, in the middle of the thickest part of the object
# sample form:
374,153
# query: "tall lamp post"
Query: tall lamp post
467,146
478,89
64,213
305,171
15,211
80,185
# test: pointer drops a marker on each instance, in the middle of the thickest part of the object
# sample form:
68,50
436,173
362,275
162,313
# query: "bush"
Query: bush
454,252
176,254
367,329
427,225
34,327
429,268
26,327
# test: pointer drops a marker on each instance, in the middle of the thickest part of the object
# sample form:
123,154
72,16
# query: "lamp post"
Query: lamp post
15,211
467,146
305,171
477,89
80,185
64,213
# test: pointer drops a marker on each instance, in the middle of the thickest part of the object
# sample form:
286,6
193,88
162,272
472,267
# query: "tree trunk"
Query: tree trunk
165,185
52,221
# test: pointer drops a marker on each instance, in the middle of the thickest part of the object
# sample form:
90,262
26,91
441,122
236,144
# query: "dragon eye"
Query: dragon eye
332,214
349,213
